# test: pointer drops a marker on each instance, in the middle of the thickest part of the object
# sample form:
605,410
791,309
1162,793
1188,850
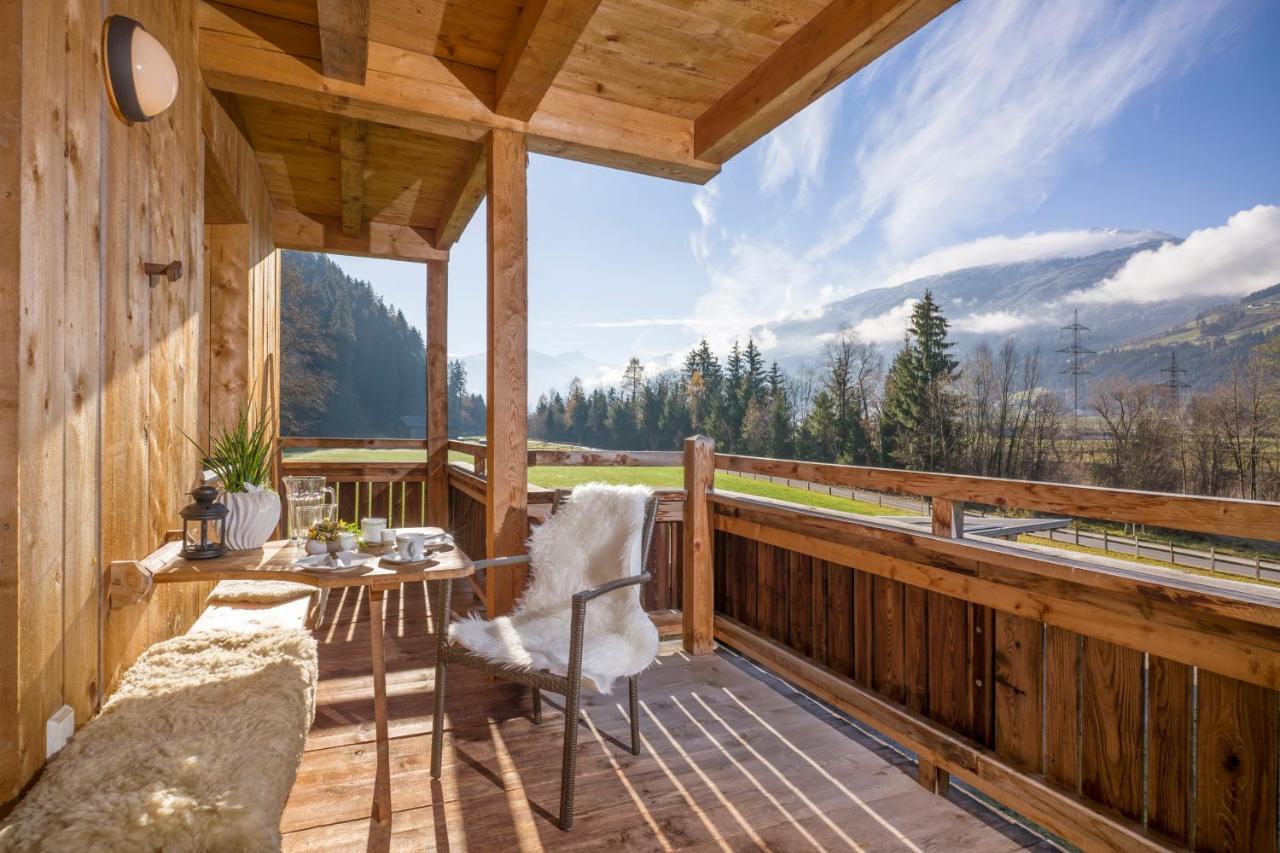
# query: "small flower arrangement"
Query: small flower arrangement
331,531
331,537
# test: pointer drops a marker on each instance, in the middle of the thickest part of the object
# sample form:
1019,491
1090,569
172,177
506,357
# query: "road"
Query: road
1222,564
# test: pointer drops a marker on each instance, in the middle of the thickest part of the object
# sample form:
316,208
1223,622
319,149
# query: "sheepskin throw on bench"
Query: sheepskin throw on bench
592,539
196,750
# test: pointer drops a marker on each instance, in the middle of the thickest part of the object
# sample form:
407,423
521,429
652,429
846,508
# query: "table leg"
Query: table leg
382,784
441,616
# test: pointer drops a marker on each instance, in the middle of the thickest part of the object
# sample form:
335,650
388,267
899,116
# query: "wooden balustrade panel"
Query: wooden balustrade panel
949,676
840,613
1062,708
664,591
1019,703
1236,765
888,663
1111,726
1169,748
799,602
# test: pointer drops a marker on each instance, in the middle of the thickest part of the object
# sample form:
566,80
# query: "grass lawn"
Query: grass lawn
673,478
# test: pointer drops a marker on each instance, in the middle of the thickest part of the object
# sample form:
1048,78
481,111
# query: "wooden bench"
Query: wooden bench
199,746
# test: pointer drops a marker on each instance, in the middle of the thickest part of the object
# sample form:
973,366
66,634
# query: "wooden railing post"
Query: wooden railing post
936,610
698,600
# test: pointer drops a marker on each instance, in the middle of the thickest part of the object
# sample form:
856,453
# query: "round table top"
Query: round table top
274,561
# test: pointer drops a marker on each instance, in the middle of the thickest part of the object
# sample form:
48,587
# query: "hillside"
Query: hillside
1206,346
350,365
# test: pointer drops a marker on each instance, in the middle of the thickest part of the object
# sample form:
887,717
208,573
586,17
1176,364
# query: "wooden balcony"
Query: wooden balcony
1108,703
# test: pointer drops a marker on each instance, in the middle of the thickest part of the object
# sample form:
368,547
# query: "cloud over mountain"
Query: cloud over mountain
1230,260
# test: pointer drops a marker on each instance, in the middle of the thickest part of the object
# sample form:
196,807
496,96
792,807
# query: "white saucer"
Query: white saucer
334,562
394,558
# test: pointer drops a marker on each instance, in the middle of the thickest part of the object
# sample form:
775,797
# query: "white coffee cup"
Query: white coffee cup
388,539
411,546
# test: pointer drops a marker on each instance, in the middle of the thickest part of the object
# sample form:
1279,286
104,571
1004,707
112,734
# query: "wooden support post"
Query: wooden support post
506,460
437,393
948,520
698,603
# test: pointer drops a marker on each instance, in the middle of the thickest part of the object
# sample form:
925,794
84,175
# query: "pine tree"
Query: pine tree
919,425
576,413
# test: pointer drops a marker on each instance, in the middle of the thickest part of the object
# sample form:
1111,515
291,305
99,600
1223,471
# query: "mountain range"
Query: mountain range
1034,301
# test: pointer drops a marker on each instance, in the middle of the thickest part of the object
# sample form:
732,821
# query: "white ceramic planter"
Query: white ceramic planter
251,519
345,542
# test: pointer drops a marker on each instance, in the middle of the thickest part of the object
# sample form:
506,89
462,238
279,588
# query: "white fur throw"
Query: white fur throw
257,592
196,750
593,539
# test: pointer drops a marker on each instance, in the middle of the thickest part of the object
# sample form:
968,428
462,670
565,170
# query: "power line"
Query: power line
1076,354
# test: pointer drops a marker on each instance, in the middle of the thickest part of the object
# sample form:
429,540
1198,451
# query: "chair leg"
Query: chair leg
633,686
569,764
537,706
442,641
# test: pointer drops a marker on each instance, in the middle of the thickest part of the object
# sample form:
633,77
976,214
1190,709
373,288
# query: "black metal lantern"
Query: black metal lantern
204,525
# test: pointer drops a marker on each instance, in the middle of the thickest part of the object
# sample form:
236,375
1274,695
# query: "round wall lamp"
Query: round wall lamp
140,76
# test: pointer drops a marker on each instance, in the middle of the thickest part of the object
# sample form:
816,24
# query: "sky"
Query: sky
1005,130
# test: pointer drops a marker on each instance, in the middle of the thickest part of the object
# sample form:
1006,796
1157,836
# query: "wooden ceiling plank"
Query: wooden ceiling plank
420,92
293,229
352,138
344,38
841,39
545,36
466,197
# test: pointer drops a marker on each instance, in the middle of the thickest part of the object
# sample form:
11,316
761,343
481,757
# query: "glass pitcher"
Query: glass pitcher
307,497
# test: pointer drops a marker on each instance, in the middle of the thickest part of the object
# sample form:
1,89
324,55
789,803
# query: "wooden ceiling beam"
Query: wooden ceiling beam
419,92
466,197
293,229
344,38
352,143
841,39
545,36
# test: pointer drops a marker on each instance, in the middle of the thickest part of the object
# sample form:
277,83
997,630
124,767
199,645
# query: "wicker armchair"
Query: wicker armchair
569,684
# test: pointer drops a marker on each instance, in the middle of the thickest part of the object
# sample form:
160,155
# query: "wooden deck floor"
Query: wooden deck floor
730,762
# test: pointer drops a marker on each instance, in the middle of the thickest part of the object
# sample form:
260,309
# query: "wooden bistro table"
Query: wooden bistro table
274,561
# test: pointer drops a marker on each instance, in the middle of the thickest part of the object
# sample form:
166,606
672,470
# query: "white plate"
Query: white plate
334,562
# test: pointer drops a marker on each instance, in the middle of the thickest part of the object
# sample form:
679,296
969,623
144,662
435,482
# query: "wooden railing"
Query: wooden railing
1118,705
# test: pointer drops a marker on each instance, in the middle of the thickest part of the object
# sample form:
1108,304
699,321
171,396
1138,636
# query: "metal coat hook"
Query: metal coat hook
171,271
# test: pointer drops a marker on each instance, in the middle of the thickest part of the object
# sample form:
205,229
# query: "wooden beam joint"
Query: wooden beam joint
344,38
352,142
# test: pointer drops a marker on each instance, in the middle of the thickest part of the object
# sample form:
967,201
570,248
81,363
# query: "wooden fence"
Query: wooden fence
1117,705
1120,708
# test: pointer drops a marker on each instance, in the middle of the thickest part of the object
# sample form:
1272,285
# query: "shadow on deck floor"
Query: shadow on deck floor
733,759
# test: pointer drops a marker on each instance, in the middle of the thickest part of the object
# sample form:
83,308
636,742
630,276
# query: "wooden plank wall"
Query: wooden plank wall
1112,724
108,372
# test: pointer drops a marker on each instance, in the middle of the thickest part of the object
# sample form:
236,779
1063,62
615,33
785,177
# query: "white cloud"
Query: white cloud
798,149
758,283
997,97
888,327
635,324
1000,249
993,322
704,198
1234,259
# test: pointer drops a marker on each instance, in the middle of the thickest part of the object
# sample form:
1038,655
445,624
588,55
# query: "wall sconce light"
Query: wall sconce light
139,73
